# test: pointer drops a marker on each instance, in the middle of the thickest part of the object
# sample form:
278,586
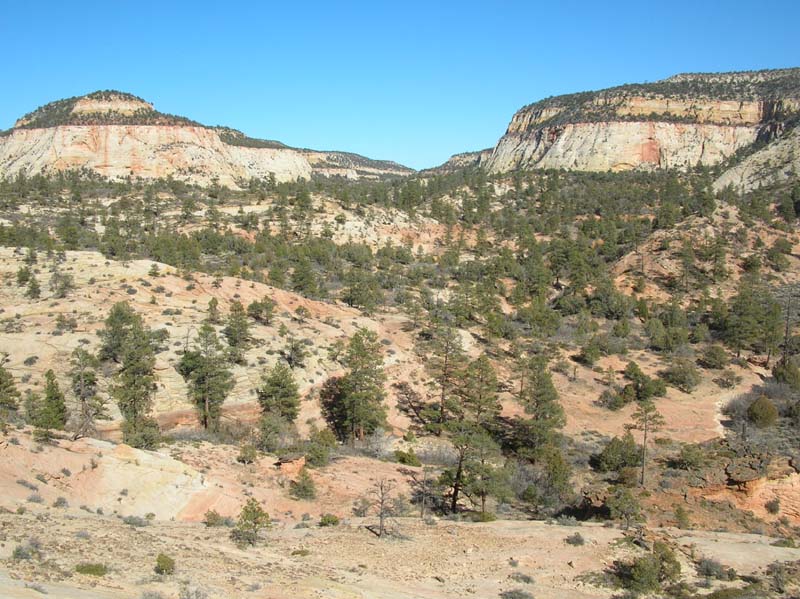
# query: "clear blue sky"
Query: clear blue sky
408,81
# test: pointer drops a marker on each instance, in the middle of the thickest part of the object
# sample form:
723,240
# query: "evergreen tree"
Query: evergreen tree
445,363
485,477
353,404
208,378
53,411
91,407
134,385
33,291
236,331
261,311
120,324
540,399
304,280
278,393
213,315
647,419
478,392
9,394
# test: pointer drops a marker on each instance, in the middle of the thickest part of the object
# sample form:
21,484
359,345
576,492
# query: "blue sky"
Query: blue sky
408,81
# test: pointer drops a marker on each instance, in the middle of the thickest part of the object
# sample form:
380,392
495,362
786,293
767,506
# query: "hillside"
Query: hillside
119,135
551,383
678,123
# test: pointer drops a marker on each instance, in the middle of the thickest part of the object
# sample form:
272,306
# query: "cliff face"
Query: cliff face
118,135
676,123
619,146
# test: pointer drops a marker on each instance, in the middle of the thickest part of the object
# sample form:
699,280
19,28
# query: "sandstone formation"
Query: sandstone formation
118,135
776,162
677,123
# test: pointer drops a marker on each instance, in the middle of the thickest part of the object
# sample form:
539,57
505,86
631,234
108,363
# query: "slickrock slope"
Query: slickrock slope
119,135
777,162
676,123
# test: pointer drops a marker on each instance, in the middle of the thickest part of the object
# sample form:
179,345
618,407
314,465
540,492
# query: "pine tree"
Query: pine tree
121,323
209,380
353,404
53,413
540,399
213,315
445,363
9,394
91,407
236,331
478,391
485,477
134,386
278,393
33,291
647,419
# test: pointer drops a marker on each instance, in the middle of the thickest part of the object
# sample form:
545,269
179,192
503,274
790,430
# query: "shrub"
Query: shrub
407,458
711,568
788,373
483,517
252,519
773,506
318,448
647,573
35,498
619,453
136,521
61,502
247,454
516,594
575,539
714,357
762,412
213,518
682,517
683,375
304,487
690,458
329,520
22,552
164,564
42,435
91,569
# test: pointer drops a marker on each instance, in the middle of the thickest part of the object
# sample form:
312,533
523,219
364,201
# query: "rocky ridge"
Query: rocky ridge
118,135
678,123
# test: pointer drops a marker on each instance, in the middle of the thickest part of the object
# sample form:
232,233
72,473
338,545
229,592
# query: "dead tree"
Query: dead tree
383,503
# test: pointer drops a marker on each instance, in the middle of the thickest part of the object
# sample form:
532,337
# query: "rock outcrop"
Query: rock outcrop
776,162
118,135
677,123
